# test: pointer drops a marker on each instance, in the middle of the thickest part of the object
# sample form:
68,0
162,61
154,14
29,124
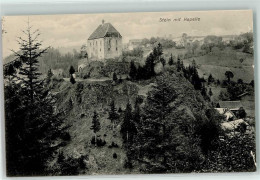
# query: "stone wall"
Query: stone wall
113,47
95,49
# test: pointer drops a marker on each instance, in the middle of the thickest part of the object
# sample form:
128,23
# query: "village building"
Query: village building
134,43
231,105
229,115
104,43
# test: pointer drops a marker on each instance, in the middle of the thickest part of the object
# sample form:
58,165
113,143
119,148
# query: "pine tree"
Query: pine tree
159,51
171,61
195,80
182,65
136,114
210,79
33,131
204,91
49,76
163,61
115,77
159,100
71,70
95,125
113,116
210,92
194,64
178,64
128,128
133,70
166,132
72,79
149,66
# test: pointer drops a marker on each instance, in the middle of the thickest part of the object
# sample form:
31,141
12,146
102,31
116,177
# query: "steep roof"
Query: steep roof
230,104
104,30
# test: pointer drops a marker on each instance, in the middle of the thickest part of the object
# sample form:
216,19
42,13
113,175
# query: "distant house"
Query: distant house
231,105
237,125
134,43
229,115
104,43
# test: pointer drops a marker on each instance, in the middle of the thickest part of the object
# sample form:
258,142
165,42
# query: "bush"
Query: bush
93,140
66,136
128,164
113,145
101,142
233,154
115,156
71,165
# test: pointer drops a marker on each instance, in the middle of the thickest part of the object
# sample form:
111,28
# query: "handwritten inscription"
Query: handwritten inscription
186,19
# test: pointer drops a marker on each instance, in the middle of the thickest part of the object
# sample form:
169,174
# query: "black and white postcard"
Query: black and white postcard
129,93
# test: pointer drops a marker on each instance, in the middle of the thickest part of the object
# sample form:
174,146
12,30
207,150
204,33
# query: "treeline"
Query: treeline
147,71
235,90
166,43
243,41
53,59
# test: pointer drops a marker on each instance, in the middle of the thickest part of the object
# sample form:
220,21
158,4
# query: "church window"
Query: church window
109,44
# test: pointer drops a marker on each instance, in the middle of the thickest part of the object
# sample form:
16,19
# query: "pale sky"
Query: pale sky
74,30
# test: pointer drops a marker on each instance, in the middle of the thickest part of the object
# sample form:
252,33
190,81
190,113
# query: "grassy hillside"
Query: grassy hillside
227,60
95,96
79,106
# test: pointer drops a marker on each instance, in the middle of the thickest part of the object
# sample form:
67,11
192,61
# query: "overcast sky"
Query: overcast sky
74,30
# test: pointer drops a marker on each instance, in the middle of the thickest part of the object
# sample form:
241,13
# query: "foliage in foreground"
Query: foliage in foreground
33,132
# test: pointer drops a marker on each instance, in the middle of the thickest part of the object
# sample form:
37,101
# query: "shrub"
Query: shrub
70,165
113,145
93,140
114,155
66,136
233,154
101,142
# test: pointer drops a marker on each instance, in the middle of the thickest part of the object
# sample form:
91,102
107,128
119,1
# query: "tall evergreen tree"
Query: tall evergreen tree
178,64
149,65
210,92
133,70
95,125
195,80
72,79
49,76
166,134
113,116
210,79
115,77
171,61
128,128
71,70
194,65
33,131
136,114
163,61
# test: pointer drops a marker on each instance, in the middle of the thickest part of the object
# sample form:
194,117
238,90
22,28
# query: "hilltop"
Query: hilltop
79,101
